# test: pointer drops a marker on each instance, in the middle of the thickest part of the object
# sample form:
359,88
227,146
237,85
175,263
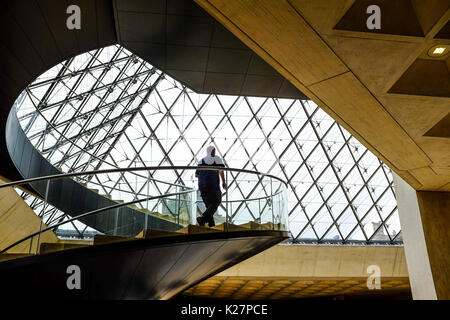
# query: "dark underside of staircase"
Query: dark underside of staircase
155,268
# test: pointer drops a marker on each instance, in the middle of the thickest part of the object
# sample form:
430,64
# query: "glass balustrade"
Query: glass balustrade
252,201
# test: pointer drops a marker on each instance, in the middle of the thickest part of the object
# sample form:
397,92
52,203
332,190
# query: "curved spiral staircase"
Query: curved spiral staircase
155,263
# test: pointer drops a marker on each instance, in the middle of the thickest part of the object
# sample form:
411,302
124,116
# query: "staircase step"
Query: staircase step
270,226
106,238
135,207
251,225
11,256
47,247
219,219
229,227
191,229
153,233
265,226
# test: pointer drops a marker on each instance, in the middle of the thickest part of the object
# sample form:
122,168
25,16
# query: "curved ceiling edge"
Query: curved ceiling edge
36,38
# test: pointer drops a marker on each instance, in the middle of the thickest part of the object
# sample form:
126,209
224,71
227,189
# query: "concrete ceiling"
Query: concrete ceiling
182,39
381,85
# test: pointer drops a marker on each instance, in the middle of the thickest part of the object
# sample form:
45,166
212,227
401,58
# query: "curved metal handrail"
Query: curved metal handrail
68,175
75,174
89,214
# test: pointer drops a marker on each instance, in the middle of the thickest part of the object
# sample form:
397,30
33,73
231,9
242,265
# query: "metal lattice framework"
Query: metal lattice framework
109,108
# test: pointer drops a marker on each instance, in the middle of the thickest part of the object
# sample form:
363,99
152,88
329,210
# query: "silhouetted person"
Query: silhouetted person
209,185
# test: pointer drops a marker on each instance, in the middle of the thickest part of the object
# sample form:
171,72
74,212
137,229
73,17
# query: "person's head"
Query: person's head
211,151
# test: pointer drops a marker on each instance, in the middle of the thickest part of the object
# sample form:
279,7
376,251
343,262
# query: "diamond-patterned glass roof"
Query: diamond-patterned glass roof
109,108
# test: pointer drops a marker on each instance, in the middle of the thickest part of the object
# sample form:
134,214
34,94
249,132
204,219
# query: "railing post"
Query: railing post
271,201
259,209
177,204
226,202
146,205
42,217
194,203
116,222
31,245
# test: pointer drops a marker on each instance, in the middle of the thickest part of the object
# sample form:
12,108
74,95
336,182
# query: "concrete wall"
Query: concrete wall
322,261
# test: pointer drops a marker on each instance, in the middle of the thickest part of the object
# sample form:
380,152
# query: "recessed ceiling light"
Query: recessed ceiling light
439,50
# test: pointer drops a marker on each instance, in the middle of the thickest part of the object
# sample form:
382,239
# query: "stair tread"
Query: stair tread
270,226
250,225
229,227
11,256
154,233
47,247
106,238
256,226
193,229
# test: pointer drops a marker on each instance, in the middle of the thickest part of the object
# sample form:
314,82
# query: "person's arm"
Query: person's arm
222,175
224,183
196,172
219,163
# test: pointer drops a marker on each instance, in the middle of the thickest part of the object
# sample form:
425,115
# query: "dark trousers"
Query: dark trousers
212,200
